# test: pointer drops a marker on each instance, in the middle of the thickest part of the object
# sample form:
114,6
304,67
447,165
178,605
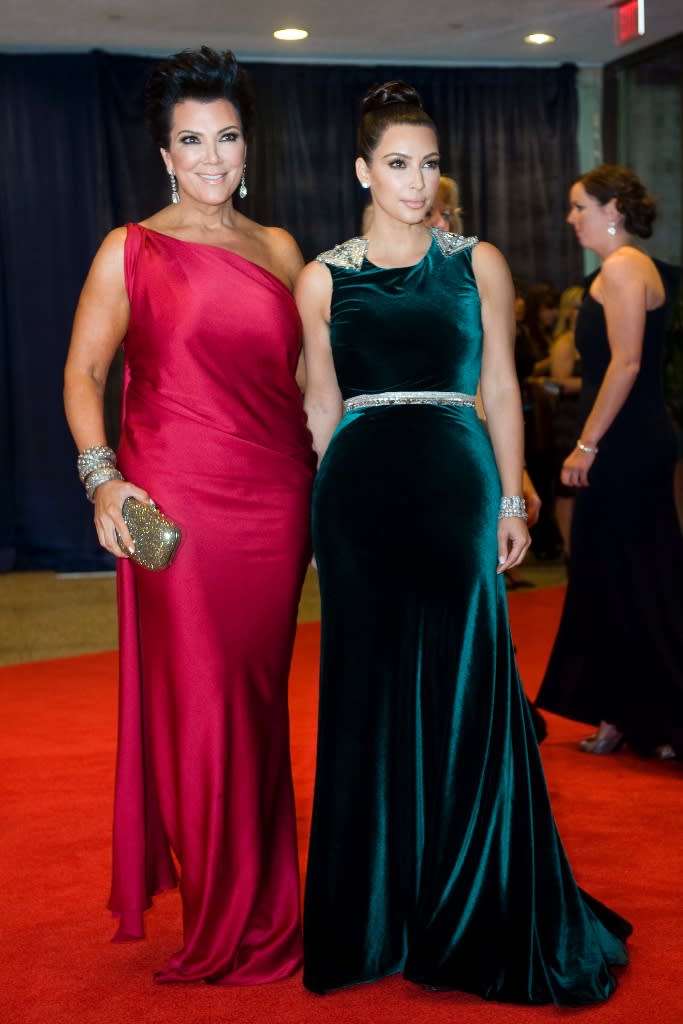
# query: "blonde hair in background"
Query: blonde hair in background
570,300
448,195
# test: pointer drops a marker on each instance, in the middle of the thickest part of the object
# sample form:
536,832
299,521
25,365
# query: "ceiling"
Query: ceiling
354,31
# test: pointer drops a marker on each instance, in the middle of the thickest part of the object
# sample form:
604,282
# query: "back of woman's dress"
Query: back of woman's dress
213,427
618,655
433,847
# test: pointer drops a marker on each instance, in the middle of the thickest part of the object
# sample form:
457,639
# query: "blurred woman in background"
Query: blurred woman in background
618,656
445,211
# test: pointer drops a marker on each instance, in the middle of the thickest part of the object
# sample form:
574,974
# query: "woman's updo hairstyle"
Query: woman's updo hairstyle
203,75
611,181
394,102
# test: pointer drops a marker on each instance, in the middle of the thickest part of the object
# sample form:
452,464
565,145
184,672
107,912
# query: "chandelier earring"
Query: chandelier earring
243,183
175,195
612,228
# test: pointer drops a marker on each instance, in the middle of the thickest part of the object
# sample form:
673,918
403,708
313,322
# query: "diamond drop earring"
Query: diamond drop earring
243,183
175,195
612,228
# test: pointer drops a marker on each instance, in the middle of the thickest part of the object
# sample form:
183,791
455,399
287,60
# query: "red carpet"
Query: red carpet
619,818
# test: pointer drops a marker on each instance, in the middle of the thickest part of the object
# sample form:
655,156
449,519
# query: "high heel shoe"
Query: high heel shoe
606,744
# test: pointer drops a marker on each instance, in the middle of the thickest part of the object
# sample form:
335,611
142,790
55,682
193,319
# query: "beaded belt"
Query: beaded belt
409,398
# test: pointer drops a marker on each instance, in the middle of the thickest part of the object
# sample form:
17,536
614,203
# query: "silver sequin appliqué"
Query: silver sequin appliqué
350,254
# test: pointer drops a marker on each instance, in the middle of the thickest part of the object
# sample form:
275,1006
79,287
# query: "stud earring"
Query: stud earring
175,195
612,228
243,183
365,184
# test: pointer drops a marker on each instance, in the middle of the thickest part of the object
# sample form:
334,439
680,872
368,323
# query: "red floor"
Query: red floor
619,817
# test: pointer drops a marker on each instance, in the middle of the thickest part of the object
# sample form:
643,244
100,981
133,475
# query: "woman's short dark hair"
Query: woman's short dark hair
612,181
203,75
390,103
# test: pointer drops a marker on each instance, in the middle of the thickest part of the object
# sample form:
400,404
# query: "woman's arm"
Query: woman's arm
541,367
529,492
623,293
99,327
322,398
500,392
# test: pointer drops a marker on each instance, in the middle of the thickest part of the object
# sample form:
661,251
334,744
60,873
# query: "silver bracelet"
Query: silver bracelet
512,508
94,458
101,475
587,448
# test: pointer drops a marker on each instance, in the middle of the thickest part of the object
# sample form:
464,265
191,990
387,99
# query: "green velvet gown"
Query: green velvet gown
433,847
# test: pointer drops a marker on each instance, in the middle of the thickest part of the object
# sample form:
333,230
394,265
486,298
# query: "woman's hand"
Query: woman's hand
513,542
576,467
109,499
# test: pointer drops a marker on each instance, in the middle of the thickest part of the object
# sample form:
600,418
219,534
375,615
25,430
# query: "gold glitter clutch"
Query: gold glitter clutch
156,537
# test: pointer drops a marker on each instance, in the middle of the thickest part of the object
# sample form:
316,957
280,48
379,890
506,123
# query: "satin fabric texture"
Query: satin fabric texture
213,428
618,655
433,847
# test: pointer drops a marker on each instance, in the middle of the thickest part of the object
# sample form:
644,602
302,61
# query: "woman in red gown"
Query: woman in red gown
213,430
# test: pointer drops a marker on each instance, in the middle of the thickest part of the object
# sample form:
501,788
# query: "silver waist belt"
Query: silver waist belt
409,398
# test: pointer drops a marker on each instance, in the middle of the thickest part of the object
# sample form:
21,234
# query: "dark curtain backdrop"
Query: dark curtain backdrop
76,161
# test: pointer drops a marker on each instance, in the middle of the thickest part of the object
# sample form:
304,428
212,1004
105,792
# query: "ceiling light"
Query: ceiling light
539,38
290,34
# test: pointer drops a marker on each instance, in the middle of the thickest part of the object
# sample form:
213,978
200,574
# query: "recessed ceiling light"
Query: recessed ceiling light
290,34
539,38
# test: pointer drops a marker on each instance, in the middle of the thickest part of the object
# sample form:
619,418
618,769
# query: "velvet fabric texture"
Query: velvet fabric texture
213,427
433,847
618,655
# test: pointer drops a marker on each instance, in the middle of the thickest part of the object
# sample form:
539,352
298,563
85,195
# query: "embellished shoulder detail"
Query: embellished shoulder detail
347,254
450,243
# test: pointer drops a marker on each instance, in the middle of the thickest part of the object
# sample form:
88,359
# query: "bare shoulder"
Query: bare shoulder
313,292
103,305
485,252
284,251
629,276
108,263
114,243
626,260
490,266
315,278
280,241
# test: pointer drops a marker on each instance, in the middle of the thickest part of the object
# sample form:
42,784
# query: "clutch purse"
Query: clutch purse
156,536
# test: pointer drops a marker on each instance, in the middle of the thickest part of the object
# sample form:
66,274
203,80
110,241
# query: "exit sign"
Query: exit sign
629,21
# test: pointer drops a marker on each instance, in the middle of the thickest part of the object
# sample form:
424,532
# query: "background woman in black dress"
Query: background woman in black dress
618,656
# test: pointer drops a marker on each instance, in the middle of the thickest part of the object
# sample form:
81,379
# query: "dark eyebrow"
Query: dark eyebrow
406,156
194,131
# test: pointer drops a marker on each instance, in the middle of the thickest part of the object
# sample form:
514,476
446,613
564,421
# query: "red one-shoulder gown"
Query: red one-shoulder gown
213,428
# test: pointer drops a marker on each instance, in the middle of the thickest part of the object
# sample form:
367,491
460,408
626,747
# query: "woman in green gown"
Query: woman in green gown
433,847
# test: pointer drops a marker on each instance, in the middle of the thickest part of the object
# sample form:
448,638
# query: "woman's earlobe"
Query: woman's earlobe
362,172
